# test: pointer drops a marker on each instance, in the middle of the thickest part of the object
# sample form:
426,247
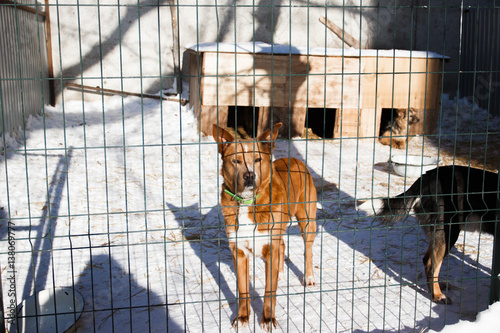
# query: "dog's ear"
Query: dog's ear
276,129
266,136
401,113
222,137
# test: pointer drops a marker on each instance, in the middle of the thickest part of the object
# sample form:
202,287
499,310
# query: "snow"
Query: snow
261,47
487,321
119,199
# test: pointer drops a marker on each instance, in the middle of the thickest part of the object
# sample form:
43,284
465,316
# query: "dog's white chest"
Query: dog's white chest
247,238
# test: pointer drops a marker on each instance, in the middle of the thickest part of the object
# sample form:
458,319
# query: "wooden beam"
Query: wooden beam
125,93
175,41
50,62
347,38
31,9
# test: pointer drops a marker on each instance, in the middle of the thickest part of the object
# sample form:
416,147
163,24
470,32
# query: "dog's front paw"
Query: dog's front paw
309,282
239,322
266,323
400,144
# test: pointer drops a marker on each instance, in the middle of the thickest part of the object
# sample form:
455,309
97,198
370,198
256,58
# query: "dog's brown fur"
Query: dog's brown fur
396,132
281,190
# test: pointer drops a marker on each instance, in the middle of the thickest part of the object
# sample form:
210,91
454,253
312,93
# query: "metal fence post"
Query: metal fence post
495,269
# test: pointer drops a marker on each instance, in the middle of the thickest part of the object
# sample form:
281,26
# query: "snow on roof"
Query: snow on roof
260,47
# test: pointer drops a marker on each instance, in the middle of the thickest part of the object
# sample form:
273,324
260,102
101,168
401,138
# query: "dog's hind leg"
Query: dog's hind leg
307,224
439,246
433,260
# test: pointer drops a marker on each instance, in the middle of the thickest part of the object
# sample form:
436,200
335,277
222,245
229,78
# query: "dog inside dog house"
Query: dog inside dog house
124,209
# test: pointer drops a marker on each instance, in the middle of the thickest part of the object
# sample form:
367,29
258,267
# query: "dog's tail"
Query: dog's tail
395,208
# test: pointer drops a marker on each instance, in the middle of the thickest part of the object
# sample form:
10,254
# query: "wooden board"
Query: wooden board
401,82
351,123
279,80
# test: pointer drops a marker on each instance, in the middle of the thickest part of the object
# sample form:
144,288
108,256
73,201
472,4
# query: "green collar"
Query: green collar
240,199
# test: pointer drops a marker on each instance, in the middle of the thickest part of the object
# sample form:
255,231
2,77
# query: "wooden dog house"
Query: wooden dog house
284,82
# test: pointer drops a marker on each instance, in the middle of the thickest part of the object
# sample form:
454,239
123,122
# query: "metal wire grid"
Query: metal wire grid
146,263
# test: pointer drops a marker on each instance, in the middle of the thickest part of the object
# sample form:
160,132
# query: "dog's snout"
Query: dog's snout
249,176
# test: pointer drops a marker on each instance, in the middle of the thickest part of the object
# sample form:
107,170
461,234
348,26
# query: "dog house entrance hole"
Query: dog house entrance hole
321,121
386,119
244,120
388,116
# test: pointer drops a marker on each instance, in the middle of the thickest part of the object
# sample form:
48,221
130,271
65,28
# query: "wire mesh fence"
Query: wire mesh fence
114,204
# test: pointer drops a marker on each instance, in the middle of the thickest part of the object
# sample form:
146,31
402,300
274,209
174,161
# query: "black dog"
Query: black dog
445,200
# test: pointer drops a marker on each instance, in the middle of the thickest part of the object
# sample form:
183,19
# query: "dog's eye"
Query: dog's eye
236,161
258,160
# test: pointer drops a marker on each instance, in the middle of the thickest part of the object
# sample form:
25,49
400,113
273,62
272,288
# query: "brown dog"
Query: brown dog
258,199
396,132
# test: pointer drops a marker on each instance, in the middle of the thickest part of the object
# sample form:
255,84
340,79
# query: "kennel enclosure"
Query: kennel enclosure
114,191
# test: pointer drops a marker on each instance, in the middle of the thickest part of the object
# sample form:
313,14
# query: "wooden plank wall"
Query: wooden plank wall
358,89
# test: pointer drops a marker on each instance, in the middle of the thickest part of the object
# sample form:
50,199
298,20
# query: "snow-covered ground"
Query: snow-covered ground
119,199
